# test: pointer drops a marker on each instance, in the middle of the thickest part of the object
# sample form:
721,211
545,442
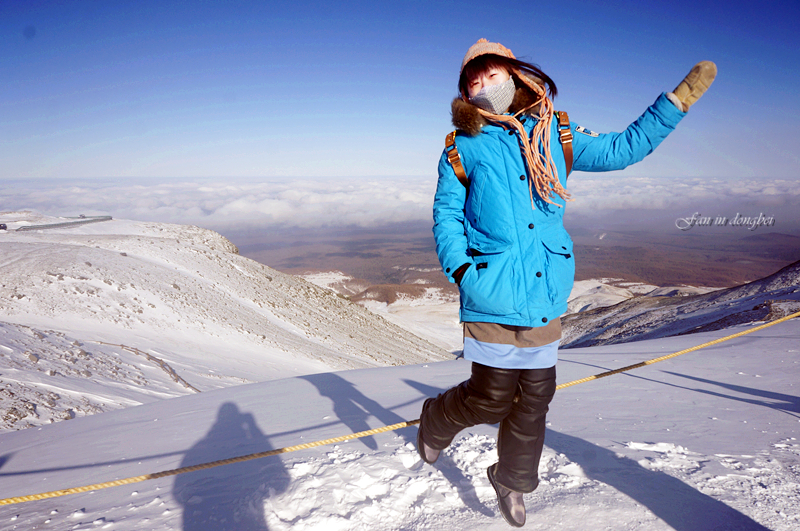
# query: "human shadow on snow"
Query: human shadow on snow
681,506
229,497
779,401
352,407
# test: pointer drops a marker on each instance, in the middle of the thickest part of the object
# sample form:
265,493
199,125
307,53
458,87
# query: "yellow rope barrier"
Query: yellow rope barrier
204,466
676,354
392,427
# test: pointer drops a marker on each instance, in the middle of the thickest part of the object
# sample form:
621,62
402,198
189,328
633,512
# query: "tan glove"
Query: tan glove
694,84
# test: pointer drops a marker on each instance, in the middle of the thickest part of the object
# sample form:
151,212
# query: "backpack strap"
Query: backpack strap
565,136
455,159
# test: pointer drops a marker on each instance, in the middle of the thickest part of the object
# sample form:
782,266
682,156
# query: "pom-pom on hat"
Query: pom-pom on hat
483,47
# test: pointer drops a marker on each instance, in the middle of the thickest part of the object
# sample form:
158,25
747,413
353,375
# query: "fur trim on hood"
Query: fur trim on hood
467,118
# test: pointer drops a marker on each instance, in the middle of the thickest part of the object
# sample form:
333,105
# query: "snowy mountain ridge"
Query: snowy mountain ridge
649,317
179,294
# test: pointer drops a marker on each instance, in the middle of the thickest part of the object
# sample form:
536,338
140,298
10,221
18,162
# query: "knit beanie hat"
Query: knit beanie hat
483,47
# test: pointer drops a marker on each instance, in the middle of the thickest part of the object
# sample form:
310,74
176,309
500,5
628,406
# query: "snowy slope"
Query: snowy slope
659,315
704,441
590,294
48,376
182,306
444,329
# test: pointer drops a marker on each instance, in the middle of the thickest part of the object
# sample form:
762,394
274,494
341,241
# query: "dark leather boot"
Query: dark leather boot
512,506
428,454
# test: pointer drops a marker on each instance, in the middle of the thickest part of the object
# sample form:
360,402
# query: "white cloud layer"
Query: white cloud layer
295,202
372,202
598,193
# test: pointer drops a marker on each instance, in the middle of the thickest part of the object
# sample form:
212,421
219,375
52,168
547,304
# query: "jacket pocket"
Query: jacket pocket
488,285
559,266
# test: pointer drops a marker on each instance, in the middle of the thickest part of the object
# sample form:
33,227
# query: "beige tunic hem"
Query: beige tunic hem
519,336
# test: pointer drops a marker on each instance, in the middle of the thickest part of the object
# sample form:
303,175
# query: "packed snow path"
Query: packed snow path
705,441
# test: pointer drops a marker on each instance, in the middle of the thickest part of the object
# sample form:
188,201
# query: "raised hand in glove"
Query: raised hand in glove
693,85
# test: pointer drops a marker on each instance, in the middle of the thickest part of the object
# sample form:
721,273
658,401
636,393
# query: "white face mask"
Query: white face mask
495,99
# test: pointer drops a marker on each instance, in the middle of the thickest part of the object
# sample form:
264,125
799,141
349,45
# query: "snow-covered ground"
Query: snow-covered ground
706,441
703,441
433,316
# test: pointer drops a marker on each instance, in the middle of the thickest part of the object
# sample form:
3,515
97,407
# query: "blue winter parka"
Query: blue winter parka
522,264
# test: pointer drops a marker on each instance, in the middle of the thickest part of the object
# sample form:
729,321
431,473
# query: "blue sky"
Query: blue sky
185,90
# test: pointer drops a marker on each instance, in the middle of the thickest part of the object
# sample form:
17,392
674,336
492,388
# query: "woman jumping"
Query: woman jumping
498,224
